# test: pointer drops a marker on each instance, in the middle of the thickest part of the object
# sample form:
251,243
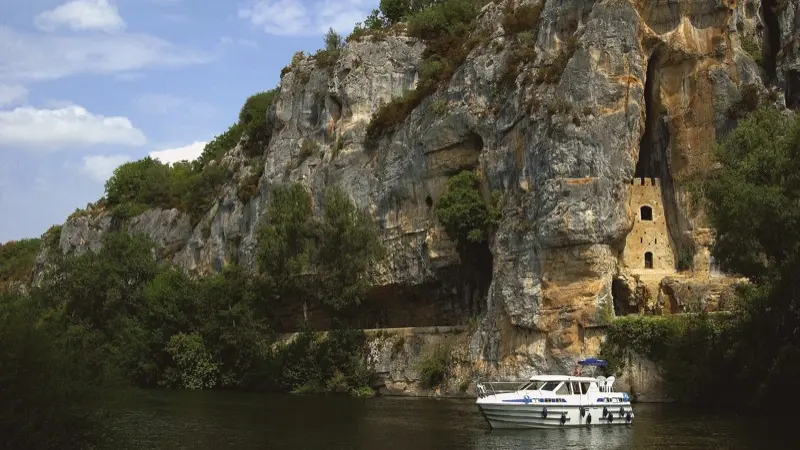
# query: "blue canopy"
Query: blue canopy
592,362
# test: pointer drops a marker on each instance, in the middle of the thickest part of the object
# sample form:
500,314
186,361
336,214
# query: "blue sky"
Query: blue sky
86,85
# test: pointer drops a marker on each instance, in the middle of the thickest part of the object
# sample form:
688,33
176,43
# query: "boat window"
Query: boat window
549,386
585,387
528,386
563,389
576,388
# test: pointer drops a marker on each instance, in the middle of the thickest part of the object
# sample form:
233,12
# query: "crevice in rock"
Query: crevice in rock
655,160
793,89
772,37
476,270
335,108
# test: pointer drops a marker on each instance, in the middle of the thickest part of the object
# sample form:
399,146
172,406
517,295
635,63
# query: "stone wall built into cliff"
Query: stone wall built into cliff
647,247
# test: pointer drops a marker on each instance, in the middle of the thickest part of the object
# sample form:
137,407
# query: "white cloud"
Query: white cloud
173,155
296,18
11,94
82,15
101,167
71,126
42,57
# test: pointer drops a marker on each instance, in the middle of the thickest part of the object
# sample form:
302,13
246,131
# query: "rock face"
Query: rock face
618,90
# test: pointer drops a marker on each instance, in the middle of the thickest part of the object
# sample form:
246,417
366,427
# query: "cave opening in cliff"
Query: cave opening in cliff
772,37
655,140
623,297
654,161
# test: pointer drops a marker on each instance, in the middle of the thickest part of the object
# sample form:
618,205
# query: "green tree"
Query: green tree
753,202
97,287
233,318
333,41
350,247
146,182
287,242
102,294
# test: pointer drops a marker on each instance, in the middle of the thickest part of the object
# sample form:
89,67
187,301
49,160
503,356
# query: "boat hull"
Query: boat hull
527,416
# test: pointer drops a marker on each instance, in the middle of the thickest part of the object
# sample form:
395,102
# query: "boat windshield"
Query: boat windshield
541,385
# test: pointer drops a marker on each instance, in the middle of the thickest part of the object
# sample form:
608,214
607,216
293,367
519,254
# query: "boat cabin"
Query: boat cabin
561,385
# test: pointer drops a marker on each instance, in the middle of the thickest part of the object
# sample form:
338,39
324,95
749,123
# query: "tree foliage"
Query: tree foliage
44,386
253,121
191,187
753,199
329,256
17,259
753,202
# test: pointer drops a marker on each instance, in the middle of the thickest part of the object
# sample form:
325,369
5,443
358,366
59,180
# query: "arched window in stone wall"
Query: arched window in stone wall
646,213
648,260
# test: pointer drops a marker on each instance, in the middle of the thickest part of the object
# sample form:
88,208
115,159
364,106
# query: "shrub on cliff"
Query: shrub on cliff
462,210
147,181
434,367
192,187
446,27
220,145
253,121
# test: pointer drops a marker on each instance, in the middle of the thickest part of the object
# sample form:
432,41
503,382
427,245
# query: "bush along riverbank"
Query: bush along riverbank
747,358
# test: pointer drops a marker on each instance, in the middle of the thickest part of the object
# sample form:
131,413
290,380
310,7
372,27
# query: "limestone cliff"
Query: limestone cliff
616,102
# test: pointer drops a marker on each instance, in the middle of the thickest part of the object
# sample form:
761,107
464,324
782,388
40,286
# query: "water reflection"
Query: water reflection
215,420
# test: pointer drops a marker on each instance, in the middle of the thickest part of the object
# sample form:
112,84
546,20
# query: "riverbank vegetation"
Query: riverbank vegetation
752,199
44,387
116,318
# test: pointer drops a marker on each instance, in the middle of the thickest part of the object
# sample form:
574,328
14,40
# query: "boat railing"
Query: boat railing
486,388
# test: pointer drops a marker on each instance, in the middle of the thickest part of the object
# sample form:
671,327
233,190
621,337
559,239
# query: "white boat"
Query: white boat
554,401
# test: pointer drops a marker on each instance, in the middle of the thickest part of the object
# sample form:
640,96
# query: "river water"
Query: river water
223,420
